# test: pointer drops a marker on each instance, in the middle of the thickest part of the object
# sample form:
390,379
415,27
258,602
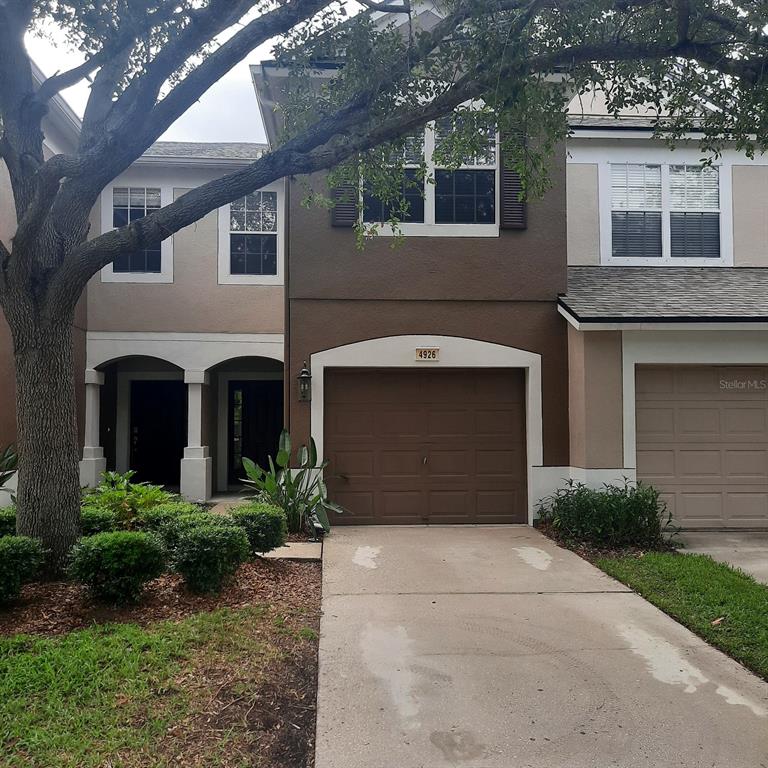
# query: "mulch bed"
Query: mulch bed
55,608
591,552
274,725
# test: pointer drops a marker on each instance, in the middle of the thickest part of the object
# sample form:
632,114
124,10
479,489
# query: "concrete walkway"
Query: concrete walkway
747,550
494,648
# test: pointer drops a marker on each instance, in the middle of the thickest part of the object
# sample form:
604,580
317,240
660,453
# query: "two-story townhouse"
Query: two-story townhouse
667,310
614,328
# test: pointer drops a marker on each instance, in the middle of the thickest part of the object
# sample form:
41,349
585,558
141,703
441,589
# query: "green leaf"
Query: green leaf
284,446
312,452
283,458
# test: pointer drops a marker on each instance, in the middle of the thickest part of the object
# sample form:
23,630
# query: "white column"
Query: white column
197,465
93,462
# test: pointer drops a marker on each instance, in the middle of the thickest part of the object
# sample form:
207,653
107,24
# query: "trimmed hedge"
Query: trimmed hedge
154,518
208,555
116,566
8,521
95,520
172,529
614,516
265,525
20,560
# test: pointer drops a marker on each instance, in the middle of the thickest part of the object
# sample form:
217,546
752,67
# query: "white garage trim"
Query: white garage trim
189,351
455,352
681,347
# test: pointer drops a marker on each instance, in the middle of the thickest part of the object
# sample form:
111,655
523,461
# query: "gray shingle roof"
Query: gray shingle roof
673,294
204,150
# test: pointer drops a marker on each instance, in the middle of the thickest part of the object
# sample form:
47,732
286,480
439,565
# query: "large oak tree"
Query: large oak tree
702,62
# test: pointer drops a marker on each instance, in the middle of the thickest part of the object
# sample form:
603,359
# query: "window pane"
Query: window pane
635,187
120,197
253,221
375,210
237,221
153,260
636,234
138,197
695,235
153,198
694,188
465,197
119,217
121,263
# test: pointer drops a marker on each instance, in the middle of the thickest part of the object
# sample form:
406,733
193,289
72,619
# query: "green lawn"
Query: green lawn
122,695
696,590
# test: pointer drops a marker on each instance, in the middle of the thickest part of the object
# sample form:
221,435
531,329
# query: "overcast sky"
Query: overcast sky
227,112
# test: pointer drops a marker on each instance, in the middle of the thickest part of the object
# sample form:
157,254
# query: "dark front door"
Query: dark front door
255,423
158,430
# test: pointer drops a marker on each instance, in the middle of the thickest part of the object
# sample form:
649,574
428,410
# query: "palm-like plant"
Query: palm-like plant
300,491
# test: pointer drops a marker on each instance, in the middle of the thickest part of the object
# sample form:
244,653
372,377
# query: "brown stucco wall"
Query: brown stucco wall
194,302
595,399
533,326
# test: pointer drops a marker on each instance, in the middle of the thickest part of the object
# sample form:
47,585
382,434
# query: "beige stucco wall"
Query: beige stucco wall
194,302
583,214
750,215
595,399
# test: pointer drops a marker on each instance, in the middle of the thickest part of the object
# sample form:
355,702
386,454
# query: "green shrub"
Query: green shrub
207,555
20,560
172,529
264,524
8,521
614,516
116,566
154,518
95,520
126,499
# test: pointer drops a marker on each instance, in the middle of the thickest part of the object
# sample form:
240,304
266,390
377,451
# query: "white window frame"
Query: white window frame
429,228
165,275
665,158
225,277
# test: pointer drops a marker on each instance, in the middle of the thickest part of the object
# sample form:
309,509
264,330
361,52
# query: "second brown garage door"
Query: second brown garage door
426,446
702,439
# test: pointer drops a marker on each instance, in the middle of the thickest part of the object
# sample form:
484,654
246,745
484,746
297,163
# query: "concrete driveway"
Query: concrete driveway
490,647
747,550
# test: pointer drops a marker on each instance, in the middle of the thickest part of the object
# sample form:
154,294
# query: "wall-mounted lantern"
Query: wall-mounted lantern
305,384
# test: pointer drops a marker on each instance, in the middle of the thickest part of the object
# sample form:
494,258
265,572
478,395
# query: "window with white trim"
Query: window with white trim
461,200
664,212
130,204
251,239
253,234
122,205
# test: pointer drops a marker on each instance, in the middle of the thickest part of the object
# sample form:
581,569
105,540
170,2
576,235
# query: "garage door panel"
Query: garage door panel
448,463
744,507
745,420
710,461
456,457
402,463
455,423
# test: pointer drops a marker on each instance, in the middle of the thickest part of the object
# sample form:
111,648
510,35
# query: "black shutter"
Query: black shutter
513,209
344,212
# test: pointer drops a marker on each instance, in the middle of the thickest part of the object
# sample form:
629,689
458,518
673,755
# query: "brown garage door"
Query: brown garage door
702,439
439,446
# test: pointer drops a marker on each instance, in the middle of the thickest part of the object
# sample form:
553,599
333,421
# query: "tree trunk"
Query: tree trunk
48,495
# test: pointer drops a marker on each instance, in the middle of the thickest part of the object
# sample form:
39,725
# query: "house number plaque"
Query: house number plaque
427,354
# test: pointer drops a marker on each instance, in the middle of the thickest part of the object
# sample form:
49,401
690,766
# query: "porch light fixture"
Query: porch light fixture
305,384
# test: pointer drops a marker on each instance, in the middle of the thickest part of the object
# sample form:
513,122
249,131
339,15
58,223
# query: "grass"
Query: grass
111,695
697,591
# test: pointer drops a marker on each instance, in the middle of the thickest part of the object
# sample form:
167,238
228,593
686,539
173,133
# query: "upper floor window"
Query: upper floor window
130,204
253,234
250,239
664,213
122,205
454,200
